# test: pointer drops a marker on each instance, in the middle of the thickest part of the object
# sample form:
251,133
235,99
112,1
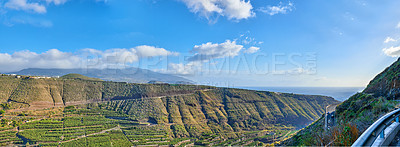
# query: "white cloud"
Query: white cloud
237,9
56,2
204,53
389,39
149,51
90,58
204,7
251,50
121,56
392,51
25,6
273,10
398,25
32,6
184,69
209,50
233,9
26,59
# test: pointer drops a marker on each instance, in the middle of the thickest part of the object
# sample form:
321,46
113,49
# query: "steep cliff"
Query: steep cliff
225,110
356,114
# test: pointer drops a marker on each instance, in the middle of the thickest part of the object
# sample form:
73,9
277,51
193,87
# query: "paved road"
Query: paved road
396,140
331,108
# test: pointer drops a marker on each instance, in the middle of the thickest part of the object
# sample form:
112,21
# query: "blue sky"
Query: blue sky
216,42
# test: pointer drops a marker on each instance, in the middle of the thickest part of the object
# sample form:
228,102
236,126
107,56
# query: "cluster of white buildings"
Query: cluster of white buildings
31,77
34,77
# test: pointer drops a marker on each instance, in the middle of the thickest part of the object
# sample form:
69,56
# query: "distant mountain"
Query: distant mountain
132,75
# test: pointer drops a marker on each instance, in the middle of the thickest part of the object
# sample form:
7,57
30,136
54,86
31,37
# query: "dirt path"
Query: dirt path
104,131
80,126
284,136
184,141
247,143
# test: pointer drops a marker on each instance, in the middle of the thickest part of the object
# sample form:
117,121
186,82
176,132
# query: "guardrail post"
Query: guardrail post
397,119
382,134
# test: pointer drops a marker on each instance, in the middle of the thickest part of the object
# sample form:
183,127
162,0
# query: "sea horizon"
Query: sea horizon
338,93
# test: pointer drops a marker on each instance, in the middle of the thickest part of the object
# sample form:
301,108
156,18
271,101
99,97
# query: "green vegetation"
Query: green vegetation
102,113
356,114
18,93
386,83
79,77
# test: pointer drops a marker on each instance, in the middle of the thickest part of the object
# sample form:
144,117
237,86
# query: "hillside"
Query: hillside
387,83
356,114
187,110
79,77
131,75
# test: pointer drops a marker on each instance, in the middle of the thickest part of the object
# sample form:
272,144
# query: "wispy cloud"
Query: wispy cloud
37,22
294,71
278,9
32,6
25,6
56,2
251,50
389,39
103,1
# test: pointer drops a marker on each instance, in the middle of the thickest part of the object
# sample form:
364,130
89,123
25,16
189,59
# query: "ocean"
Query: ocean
339,93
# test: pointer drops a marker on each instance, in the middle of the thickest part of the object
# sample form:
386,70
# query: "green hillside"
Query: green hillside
79,77
356,114
203,115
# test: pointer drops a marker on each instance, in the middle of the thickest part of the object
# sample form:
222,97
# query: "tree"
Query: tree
4,122
2,112
15,123
5,106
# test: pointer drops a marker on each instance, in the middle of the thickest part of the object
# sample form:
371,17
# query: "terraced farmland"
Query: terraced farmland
87,127
76,112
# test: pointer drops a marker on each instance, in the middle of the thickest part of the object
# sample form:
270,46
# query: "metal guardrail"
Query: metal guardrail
377,129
